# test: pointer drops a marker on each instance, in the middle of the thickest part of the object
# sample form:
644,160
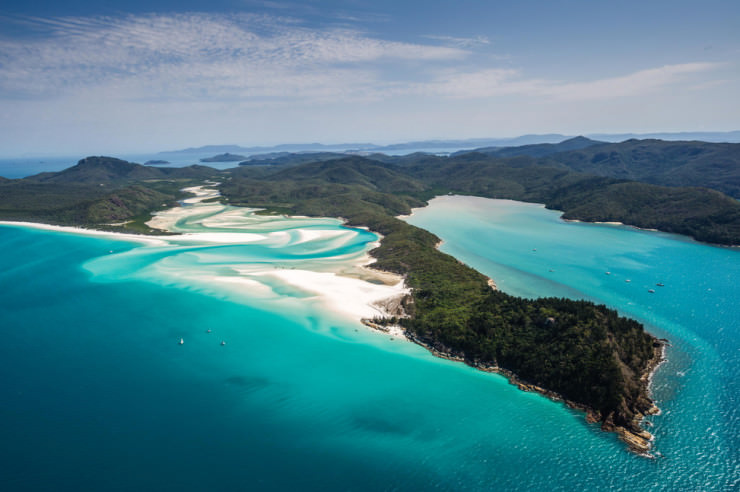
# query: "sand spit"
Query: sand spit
148,240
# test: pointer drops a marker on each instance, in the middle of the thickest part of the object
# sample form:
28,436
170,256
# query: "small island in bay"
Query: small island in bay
225,157
156,162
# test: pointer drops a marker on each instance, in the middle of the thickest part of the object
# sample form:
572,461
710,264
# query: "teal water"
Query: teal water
530,252
98,395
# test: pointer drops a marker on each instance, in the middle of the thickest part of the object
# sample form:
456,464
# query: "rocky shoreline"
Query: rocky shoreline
637,439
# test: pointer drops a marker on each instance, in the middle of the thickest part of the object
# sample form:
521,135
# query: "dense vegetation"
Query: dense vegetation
710,165
665,163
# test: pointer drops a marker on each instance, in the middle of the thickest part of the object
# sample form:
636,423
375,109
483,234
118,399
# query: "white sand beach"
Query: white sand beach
138,238
340,282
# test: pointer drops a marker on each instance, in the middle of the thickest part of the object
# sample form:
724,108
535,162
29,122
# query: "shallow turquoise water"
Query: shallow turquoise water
530,252
99,395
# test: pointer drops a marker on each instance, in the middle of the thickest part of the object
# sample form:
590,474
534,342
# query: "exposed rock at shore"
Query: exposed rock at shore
394,306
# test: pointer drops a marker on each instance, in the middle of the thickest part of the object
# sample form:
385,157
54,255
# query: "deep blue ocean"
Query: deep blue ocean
98,394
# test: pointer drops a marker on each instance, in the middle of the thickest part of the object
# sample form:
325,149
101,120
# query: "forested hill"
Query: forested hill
97,192
698,212
704,214
112,171
711,165
538,150
665,163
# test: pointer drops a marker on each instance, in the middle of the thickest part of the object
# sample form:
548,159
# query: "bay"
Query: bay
531,252
100,396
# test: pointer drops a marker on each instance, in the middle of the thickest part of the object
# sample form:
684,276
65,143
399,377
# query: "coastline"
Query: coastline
637,439
683,237
349,287
119,236
634,435
356,298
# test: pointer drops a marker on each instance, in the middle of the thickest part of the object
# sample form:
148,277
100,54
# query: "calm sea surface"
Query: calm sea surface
98,395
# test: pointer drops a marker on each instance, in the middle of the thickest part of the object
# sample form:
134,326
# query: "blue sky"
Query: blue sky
113,77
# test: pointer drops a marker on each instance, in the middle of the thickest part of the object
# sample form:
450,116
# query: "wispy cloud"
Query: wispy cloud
464,43
634,84
195,55
488,83
260,59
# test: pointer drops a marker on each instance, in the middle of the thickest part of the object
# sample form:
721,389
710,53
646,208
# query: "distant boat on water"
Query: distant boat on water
181,342
660,284
223,343
208,330
652,291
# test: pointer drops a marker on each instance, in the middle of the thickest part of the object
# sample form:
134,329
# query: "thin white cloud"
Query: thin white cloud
634,84
196,54
463,43
488,83
259,59
485,83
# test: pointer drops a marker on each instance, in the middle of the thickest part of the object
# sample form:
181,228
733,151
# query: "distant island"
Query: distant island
156,162
226,157
577,351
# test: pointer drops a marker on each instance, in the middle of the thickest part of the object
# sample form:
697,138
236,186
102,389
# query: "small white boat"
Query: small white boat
608,273
223,343
628,280
652,291
208,330
181,342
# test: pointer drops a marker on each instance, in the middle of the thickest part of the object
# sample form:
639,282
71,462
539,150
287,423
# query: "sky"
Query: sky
107,76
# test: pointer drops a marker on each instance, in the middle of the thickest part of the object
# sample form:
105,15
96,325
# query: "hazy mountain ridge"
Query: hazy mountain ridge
538,150
459,144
